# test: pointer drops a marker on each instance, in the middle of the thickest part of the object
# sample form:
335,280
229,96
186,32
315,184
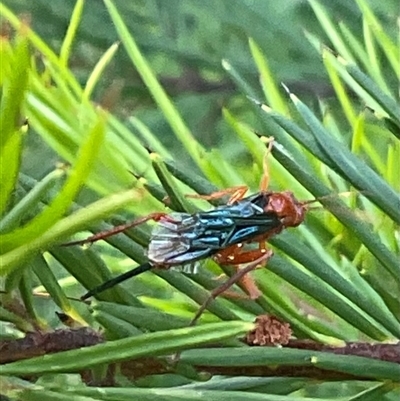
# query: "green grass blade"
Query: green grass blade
355,45
269,356
186,286
358,172
239,80
62,202
14,87
343,97
375,70
300,135
153,344
268,82
386,43
20,323
387,103
164,394
31,311
74,22
331,30
320,291
65,227
358,227
353,290
115,328
21,209
147,319
41,46
178,201
91,273
50,283
100,66
10,159
178,126
193,180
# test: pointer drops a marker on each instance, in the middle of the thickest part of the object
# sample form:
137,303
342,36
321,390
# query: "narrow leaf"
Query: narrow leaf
153,344
62,202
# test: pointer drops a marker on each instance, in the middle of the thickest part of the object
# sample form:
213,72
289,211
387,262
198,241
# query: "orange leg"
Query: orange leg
236,256
237,193
118,229
228,283
264,183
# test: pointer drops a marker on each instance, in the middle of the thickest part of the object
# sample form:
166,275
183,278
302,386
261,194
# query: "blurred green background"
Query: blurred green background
185,42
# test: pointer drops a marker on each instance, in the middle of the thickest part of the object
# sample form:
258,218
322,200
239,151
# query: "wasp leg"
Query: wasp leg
264,182
237,193
236,256
228,283
118,229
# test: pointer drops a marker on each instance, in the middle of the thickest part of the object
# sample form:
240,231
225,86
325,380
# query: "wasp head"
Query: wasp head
290,211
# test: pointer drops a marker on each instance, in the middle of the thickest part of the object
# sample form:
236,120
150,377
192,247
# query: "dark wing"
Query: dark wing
183,238
249,219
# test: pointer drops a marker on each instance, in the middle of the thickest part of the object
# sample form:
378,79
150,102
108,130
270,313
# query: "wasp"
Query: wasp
234,234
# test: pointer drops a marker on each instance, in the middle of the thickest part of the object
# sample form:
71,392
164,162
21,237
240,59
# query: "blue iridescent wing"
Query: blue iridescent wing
177,241
185,238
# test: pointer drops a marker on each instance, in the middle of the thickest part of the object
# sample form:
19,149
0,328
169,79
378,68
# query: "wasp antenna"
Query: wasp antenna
347,193
315,208
307,202
83,242
116,280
